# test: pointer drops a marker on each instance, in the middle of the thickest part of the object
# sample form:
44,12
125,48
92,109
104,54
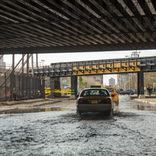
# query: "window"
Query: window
94,92
110,89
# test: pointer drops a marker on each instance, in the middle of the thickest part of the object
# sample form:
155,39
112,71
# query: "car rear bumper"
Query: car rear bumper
94,107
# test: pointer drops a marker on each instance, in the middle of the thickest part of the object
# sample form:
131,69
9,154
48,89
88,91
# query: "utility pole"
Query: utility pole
27,64
32,64
13,70
135,54
36,60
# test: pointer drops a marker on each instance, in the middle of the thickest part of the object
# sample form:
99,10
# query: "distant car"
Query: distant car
135,91
119,90
114,94
128,92
94,100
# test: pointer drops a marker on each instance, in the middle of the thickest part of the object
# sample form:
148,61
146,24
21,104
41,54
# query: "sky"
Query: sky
47,59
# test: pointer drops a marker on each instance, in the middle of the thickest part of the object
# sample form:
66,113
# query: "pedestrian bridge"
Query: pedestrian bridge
116,66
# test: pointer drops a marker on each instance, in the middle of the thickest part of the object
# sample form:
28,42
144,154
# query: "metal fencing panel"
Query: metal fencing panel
4,86
20,86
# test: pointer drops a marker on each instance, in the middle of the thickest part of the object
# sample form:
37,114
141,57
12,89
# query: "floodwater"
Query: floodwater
36,109
130,132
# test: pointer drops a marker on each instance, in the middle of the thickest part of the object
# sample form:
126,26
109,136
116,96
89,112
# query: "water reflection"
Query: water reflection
36,109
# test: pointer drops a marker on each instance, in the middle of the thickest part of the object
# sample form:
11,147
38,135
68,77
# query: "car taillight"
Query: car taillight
108,100
80,101
114,94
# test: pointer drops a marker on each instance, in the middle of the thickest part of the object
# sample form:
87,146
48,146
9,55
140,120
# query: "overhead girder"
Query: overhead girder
26,26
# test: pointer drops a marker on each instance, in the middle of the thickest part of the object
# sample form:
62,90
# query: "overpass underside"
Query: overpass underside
52,26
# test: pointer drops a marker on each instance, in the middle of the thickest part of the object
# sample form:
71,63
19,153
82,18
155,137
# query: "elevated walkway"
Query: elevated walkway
93,67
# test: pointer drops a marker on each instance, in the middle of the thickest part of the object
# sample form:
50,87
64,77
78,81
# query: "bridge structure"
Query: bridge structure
96,67
52,26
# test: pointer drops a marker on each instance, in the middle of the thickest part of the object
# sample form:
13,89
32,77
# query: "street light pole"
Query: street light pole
135,54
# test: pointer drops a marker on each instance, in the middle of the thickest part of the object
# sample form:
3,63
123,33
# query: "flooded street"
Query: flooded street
60,132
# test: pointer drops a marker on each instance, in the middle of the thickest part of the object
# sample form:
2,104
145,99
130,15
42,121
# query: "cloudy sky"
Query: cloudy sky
68,57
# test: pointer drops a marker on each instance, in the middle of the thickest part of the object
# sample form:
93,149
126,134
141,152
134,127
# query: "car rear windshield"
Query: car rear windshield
110,89
94,92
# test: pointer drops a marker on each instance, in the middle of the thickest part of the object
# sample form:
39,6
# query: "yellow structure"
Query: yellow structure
48,91
110,68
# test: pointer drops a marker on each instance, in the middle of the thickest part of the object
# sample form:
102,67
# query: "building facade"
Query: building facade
112,82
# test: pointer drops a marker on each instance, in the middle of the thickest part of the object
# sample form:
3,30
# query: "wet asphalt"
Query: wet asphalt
61,132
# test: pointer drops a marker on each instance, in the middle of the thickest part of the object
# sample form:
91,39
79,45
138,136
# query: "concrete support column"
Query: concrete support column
55,86
42,88
74,86
52,82
140,84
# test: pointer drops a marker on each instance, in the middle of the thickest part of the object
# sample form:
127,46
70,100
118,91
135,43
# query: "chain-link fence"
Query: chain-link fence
20,86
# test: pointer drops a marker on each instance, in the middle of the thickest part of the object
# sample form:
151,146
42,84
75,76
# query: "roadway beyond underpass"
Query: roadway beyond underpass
59,131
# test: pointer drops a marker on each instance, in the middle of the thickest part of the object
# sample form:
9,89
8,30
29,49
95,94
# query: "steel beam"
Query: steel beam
74,85
80,48
140,83
55,85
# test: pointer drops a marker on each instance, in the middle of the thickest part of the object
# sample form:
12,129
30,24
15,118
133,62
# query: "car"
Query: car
94,100
119,90
128,92
114,94
135,91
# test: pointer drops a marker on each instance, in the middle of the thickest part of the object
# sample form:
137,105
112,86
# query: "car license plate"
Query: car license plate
94,101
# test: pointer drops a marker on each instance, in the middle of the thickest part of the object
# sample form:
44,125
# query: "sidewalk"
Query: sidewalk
148,99
151,101
25,104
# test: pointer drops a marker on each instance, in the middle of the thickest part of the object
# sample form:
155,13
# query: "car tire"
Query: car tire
117,103
111,113
78,112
